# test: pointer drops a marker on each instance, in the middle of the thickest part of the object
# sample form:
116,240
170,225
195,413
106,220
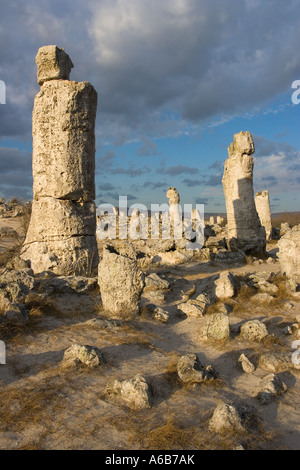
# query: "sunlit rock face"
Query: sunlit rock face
244,230
61,235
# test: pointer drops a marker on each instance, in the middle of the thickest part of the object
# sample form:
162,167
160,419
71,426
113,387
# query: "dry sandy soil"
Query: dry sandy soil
47,405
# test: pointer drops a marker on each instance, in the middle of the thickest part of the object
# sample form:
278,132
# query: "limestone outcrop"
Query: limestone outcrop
244,230
262,204
62,233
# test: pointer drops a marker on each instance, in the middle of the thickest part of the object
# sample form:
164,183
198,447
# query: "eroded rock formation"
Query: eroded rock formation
262,204
289,252
175,213
61,235
121,281
244,230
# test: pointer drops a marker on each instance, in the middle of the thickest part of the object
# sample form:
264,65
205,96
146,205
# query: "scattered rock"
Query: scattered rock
225,285
262,298
154,282
246,364
161,315
190,370
103,323
218,327
193,308
226,419
87,355
278,361
269,388
253,330
133,392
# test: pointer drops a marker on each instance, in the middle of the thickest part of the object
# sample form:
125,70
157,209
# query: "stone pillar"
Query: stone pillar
62,233
262,204
289,252
211,220
121,281
175,213
244,230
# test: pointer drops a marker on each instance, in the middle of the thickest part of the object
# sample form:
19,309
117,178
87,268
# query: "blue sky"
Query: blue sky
176,79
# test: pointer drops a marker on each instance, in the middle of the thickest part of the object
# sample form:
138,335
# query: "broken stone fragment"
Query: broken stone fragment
133,392
121,281
246,364
87,355
190,370
53,63
193,308
154,282
269,388
160,314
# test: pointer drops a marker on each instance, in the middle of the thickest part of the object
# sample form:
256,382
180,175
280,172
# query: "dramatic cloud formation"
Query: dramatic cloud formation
164,70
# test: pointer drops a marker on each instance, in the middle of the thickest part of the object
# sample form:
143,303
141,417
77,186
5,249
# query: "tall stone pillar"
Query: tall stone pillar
62,233
175,213
244,230
262,204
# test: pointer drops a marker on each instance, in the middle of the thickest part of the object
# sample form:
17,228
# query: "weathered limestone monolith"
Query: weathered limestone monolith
121,281
262,204
62,233
175,213
289,252
244,230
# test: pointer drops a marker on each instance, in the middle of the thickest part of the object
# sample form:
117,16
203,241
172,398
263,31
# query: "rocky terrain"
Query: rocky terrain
187,339
205,364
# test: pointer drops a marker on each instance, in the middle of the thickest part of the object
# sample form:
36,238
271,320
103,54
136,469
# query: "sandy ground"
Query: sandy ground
46,405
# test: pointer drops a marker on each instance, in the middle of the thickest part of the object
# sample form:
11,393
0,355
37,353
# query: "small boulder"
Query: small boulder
253,330
193,308
246,364
160,315
218,327
190,370
133,392
225,285
87,355
226,419
269,388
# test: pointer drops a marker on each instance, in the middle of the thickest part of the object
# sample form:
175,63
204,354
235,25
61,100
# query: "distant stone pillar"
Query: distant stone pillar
244,230
211,220
175,213
262,204
289,252
62,233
